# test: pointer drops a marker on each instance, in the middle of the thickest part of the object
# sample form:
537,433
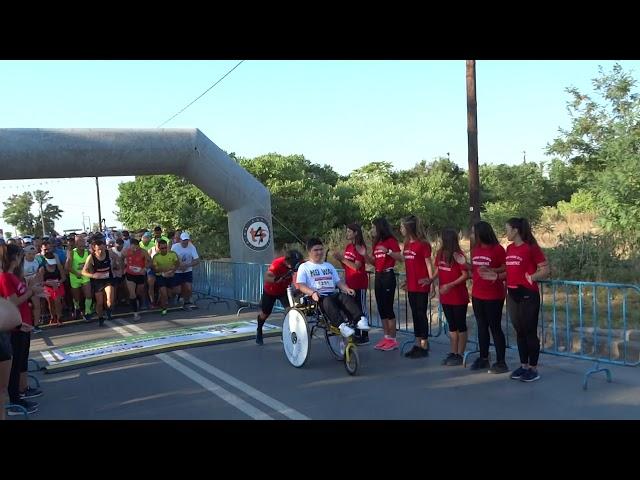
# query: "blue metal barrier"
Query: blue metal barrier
23,411
592,321
34,362
595,321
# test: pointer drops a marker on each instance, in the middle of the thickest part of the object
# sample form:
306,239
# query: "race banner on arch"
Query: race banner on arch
257,233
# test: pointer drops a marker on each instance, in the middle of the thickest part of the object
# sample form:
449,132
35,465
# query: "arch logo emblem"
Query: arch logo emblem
256,233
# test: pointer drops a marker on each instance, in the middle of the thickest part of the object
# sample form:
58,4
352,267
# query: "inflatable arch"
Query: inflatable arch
77,152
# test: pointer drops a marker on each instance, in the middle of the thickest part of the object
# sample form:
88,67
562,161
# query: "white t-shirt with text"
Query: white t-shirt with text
321,277
186,255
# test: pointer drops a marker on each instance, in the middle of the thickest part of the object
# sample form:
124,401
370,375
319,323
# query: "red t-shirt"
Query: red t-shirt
276,289
137,261
11,284
382,260
521,260
356,279
491,256
458,295
415,254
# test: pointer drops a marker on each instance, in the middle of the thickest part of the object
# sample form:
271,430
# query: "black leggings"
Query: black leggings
333,306
385,290
419,302
456,316
489,317
523,306
20,343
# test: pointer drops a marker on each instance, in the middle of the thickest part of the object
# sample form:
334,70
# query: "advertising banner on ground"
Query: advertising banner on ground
101,351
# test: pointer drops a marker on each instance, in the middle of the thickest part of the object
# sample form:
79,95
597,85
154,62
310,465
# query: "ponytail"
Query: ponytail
524,229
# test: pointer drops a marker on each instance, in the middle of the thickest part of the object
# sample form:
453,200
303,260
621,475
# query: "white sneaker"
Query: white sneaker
136,316
363,324
346,330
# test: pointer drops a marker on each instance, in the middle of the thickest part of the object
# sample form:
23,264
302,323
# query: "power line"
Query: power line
202,94
285,227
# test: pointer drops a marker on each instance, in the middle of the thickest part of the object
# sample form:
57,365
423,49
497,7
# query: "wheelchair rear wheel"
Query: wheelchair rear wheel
351,359
295,337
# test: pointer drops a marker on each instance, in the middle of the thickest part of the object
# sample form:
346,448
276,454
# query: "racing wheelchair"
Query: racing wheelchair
301,320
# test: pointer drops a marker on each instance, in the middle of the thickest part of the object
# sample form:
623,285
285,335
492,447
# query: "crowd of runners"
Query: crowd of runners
85,276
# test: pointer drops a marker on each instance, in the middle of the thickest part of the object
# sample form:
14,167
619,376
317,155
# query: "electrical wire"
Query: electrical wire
201,95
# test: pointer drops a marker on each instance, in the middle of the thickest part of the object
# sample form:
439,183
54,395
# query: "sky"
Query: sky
342,113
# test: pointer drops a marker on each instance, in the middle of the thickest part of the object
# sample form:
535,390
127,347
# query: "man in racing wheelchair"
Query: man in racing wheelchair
319,279
276,280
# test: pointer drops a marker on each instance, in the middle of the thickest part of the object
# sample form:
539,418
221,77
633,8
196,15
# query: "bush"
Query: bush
581,202
591,257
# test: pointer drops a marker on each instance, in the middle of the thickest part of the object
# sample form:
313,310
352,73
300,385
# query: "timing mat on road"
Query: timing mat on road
104,351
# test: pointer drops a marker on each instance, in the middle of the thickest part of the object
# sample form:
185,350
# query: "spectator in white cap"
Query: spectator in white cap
188,256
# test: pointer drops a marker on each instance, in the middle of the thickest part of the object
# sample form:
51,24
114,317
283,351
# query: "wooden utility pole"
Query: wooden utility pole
472,142
42,219
99,210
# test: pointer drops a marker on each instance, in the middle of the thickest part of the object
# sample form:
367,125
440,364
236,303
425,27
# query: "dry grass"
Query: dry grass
549,230
551,227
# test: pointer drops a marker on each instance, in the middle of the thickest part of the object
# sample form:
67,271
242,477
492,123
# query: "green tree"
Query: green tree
17,212
376,193
173,202
603,144
596,120
512,191
305,197
561,184
438,194
50,213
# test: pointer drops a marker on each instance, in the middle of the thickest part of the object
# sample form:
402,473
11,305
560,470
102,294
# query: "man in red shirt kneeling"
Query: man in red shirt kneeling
276,280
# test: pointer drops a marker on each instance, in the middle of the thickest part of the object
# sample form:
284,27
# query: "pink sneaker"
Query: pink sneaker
392,344
381,344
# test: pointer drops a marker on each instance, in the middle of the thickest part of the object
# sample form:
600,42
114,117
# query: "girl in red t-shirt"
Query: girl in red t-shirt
386,250
454,298
417,259
487,296
16,291
525,263
353,260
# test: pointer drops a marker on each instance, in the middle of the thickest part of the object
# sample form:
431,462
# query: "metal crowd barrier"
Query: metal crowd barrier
217,281
592,321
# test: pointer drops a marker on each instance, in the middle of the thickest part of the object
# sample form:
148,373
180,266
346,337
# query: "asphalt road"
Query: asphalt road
243,381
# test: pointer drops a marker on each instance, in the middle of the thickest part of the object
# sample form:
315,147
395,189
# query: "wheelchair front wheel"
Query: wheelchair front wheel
295,337
336,344
351,359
